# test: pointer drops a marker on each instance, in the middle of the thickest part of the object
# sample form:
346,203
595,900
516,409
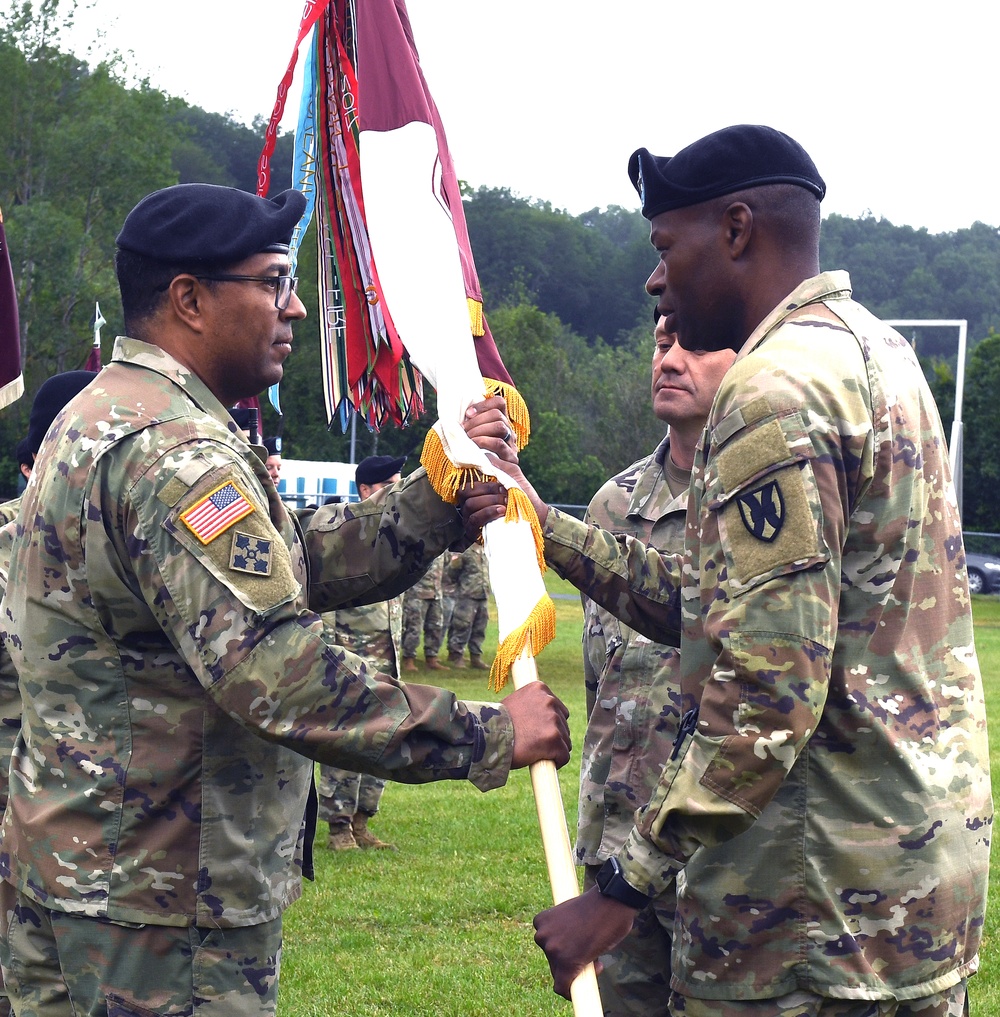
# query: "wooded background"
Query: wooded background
563,293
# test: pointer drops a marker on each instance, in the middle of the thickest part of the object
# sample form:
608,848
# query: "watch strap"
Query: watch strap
611,883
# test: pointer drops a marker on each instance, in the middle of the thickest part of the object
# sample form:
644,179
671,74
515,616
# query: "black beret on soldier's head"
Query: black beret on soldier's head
377,469
730,160
51,397
273,445
210,223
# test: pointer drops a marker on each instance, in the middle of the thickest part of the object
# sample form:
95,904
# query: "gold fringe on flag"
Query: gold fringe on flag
476,319
519,508
517,409
446,478
539,628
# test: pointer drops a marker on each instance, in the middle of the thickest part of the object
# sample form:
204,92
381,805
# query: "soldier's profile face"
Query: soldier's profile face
684,382
692,278
246,339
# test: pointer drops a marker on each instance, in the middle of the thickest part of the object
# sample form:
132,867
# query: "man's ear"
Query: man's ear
737,223
185,295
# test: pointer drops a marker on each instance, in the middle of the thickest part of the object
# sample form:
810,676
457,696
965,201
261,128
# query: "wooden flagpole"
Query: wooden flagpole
555,842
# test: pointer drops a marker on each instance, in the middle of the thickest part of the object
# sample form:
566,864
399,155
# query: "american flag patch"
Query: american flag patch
216,512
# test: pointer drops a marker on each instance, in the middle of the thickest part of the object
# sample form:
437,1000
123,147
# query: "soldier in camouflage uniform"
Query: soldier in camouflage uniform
422,616
826,809
447,593
348,799
52,395
471,613
633,683
176,682
10,705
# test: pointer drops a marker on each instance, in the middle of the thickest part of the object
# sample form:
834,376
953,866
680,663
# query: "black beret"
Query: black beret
727,161
376,469
273,445
53,395
208,222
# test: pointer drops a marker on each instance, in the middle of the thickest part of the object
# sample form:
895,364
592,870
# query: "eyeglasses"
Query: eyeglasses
284,285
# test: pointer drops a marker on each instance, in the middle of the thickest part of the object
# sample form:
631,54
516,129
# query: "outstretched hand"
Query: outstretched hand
541,728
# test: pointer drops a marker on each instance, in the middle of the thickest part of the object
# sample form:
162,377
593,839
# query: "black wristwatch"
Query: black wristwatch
611,883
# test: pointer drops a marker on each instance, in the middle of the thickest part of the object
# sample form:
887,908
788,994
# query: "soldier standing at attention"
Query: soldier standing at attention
826,811
470,574
423,616
348,799
176,681
633,683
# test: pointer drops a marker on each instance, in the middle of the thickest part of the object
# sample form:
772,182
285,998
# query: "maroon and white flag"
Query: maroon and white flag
11,378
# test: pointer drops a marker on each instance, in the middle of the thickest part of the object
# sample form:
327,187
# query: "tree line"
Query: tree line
563,293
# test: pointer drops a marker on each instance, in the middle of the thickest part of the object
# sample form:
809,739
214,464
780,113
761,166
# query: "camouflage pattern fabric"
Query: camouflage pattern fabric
343,794
469,572
374,632
633,697
126,970
952,1002
10,694
469,619
447,593
9,510
174,676
422,615
10,704
831,809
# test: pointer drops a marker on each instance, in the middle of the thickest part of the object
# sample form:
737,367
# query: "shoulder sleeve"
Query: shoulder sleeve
375,549
221,582
639,584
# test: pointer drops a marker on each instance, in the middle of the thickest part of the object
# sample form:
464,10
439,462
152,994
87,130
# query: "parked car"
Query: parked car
984,572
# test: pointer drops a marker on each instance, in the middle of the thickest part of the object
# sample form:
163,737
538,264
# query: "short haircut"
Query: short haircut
143,284
791,214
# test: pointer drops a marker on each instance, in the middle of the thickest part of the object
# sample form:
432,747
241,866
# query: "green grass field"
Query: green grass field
442,926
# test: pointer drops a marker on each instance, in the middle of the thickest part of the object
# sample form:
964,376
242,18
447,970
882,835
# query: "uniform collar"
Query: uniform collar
651,498
825,286
143,354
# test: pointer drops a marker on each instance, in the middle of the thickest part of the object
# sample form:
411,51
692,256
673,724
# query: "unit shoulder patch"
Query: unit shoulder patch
250,553
763,511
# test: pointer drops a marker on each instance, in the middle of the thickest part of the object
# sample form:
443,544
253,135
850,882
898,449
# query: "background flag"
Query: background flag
398,295
11,379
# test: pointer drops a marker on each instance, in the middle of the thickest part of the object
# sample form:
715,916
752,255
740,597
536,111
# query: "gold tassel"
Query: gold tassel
446,478
517,409
539,628
519,508
476,316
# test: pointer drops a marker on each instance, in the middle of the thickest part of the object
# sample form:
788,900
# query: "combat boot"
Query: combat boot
457,660
341,837
433,664
477,663
363,836
409,664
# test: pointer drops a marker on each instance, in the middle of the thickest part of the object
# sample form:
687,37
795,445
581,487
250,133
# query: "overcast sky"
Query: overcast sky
896,102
